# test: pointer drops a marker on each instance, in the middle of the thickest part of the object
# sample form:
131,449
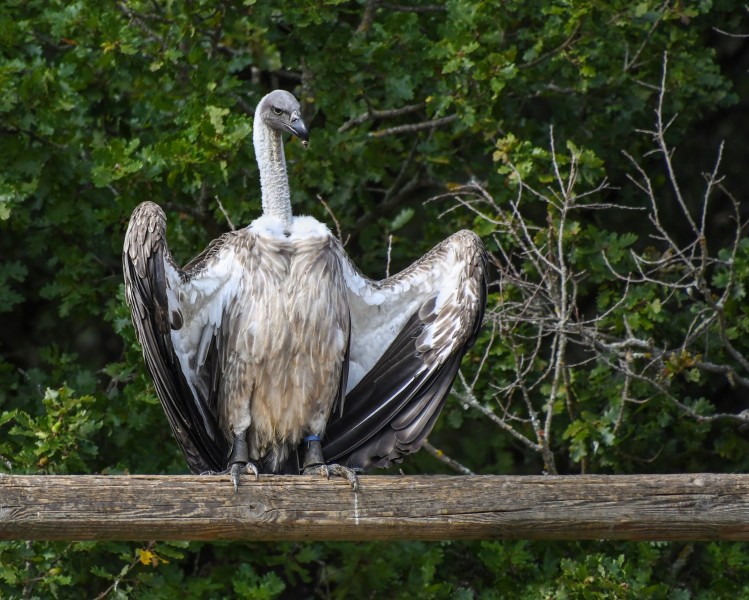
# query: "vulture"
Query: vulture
272,353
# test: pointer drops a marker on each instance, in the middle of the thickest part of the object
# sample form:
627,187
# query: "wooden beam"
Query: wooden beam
143,507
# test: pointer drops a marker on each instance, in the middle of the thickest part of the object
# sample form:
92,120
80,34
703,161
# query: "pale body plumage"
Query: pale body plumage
264,332
284,326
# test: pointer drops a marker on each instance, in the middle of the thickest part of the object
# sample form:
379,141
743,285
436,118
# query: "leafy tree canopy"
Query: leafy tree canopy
615,339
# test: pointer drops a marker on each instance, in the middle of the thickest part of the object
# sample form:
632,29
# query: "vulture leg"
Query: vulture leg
313,453
239,459
314,464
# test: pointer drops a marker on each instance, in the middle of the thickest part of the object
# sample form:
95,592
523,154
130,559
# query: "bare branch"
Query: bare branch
226,215
339,235
546,55
660,138
442,457
390,249
372,115
543,333
370,9
412,127
469,400
629,64
729,34
414,9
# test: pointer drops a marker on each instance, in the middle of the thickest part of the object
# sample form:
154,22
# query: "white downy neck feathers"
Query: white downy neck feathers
271,161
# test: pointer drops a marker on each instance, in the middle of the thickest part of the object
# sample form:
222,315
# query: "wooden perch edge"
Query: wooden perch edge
439,507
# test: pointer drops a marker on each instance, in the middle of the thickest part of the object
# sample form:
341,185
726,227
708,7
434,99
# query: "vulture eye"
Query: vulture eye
278,111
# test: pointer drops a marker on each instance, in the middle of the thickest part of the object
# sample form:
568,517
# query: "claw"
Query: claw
335,469
349,474
314,464
236,470
239,459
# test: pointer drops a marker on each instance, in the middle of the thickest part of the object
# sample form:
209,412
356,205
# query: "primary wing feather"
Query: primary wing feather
408,335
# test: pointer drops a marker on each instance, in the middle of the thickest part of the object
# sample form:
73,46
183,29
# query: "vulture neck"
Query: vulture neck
274,181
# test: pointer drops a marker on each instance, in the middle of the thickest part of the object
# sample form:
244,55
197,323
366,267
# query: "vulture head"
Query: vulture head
279,110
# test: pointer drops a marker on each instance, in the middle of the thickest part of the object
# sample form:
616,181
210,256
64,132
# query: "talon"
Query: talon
316,470
334,469
250,467
239,459
314,463
349,474
236,470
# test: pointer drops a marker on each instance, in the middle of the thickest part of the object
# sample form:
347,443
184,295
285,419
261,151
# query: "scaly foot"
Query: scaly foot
334,469
235,470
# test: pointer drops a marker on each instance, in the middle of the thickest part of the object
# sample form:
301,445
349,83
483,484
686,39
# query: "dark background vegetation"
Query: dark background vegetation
106,104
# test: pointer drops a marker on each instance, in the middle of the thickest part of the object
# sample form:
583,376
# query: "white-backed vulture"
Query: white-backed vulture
272,340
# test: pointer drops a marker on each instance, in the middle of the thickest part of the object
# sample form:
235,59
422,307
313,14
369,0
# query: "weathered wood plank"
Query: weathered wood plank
638,507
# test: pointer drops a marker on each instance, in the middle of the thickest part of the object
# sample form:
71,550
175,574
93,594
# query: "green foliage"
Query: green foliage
10,272
60,440
104,105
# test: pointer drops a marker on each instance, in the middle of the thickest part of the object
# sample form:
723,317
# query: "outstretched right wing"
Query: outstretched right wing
408,335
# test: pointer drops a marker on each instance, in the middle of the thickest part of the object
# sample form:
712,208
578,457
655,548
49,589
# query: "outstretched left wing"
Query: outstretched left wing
178,314
408,335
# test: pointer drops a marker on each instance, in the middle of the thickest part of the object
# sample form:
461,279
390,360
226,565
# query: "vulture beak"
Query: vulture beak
299,129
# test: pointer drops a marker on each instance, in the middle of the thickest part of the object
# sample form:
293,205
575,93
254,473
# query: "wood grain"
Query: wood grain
143,507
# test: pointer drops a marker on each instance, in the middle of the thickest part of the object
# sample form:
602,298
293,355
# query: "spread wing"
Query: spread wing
408,335
178,316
